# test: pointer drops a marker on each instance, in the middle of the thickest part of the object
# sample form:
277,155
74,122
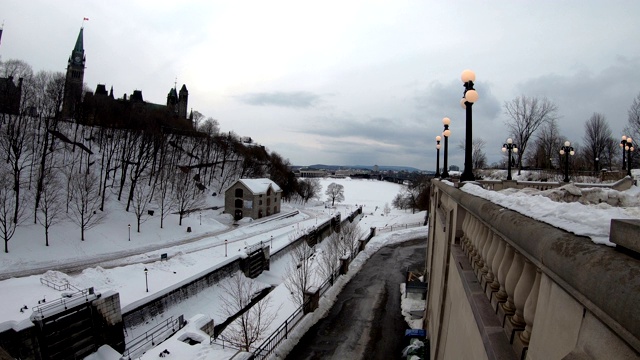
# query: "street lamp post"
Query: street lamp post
225,247
597,168
146,279
272,241
509,147
129,232
566,150
623,144
627,144
446,133
469,97
200,217
438,138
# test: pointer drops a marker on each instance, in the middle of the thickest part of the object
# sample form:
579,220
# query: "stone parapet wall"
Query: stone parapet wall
561,286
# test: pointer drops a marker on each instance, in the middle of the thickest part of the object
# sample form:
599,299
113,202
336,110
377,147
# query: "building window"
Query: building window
239,193
238,203
259,202
268,201
275,209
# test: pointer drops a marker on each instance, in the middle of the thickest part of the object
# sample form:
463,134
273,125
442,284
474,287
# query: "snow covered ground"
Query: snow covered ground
198,251
126,274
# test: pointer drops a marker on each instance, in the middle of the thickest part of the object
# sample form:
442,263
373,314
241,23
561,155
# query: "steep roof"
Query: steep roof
79,43
260,186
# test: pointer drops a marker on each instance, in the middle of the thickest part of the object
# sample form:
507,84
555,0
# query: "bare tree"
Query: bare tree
634,118
141,197
186,195
329,258
547,144
50,91
526,115
386,210
51,203
254,322
309,189
162,195
298,276
8,222
210,127
478,156
350,235
335,192
85,201
597,136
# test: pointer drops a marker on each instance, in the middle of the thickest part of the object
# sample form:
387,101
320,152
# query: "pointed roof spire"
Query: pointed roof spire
79,43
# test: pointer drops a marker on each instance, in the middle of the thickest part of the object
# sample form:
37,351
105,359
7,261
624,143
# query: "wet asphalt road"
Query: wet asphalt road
366,321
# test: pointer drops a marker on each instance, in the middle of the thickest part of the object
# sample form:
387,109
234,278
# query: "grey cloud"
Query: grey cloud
291,99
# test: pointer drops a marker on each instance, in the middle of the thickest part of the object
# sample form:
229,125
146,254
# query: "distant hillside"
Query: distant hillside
365,167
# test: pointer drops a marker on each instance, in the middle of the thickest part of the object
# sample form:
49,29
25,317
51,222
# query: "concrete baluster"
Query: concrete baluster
521,293
513,276
473,229
530,309
476,247
484,270
465,232
478,261
507,259
497,260
491,252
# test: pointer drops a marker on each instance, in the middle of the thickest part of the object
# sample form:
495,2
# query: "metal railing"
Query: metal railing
71,300
397,227
59,287
152,337
282,332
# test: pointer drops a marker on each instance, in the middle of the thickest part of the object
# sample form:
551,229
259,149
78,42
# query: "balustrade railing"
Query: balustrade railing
511,255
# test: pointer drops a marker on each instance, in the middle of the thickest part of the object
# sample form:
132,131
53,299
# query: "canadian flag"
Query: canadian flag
86,19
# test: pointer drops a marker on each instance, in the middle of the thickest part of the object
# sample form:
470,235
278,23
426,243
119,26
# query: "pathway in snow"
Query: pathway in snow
131,256
366,321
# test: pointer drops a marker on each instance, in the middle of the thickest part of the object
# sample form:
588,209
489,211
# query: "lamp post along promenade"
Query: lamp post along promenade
469,97
438,138
446,133
566,150
509,147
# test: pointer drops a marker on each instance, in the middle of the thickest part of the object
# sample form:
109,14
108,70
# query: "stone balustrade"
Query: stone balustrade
508,286
622,184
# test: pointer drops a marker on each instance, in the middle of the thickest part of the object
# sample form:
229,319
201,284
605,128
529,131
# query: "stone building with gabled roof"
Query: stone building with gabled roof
254,198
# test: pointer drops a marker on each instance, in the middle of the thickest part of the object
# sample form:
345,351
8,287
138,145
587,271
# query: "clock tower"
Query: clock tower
74,81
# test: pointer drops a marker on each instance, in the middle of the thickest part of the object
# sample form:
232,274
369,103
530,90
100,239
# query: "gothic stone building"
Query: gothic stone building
101,108
253,198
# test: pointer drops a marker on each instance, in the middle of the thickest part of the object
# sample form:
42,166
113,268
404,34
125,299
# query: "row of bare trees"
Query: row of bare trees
533,125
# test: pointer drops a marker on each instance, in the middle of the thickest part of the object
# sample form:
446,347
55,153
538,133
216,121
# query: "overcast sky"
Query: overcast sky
347,82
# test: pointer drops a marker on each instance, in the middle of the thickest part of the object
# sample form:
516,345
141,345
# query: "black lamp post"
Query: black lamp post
509,147
225,247
566,150
129,232
627,144
623,144
469,97
146,280
446,133
438,138
597,168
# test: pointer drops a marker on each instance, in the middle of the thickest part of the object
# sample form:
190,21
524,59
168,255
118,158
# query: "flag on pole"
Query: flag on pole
85,19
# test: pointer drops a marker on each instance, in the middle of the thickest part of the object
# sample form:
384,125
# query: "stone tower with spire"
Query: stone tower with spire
74,81
177,101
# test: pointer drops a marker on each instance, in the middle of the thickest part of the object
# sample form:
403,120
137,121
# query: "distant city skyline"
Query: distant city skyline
347,83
